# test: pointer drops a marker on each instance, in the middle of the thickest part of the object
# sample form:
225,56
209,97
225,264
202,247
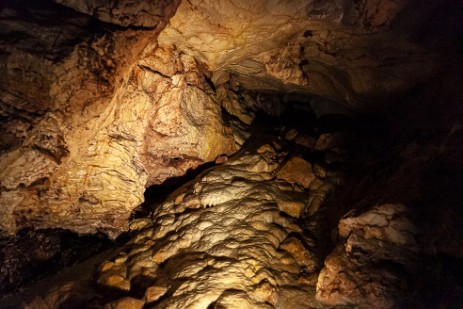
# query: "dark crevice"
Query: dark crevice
158,193
34,254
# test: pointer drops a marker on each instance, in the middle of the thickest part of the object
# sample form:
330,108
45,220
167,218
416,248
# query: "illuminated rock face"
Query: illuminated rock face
98,126
348,51
101,99
96,112
231,238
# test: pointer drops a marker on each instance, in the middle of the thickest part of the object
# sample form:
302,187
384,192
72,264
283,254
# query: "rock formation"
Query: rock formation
351,108
123,97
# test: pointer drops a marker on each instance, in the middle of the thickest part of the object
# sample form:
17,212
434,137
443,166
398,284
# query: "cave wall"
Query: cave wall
101,100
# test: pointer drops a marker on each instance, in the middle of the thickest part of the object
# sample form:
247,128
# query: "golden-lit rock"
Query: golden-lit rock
302,256
153,293
91,115
291,135
297,171
301,46
85,167
234,247
117,282
126,303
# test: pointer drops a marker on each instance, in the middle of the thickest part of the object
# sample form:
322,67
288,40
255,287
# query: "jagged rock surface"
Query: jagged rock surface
99,100
230,238
366,270
126,13
85,121
349,52
92,139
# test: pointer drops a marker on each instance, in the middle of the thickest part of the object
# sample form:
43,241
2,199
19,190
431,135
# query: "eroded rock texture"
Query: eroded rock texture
347,51
229,239
92,129
100,100
367,269
113,97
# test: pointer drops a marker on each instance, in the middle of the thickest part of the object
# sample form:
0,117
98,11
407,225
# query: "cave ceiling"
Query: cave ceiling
100,100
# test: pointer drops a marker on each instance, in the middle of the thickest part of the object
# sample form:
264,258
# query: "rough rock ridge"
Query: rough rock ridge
112,97
368,268
106,123
231,239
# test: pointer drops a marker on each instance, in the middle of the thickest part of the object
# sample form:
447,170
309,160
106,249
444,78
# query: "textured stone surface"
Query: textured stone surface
367,269
126,13
94,145
222,240
125,303
297,171
99,100
113,97
301,45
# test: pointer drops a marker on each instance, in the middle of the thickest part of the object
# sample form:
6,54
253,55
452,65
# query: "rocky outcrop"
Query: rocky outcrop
113,97
125,13
229,238
349,52
370,268
98,125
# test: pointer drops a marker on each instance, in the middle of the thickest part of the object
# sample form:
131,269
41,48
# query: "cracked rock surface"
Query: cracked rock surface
354,201
356,272
230,238
100,100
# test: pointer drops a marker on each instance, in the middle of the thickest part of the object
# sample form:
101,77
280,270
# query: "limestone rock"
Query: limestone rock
297,171
184,127
106,122
153,293
306,141
112,97
291,135
329,141
125,13
222,240
126,303
358,272
300,46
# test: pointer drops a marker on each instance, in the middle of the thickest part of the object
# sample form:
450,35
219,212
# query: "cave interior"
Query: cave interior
231,154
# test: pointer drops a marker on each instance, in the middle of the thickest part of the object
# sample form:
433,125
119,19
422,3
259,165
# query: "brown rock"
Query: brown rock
37,303
153,293
233,249
306,141
292,207
126,13
117,282
297,171
328,141
357,272
300,253
95,183
291,135
320,171
96,117
221,159
126,303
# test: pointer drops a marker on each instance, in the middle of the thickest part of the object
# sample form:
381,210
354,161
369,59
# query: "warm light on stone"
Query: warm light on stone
231,154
